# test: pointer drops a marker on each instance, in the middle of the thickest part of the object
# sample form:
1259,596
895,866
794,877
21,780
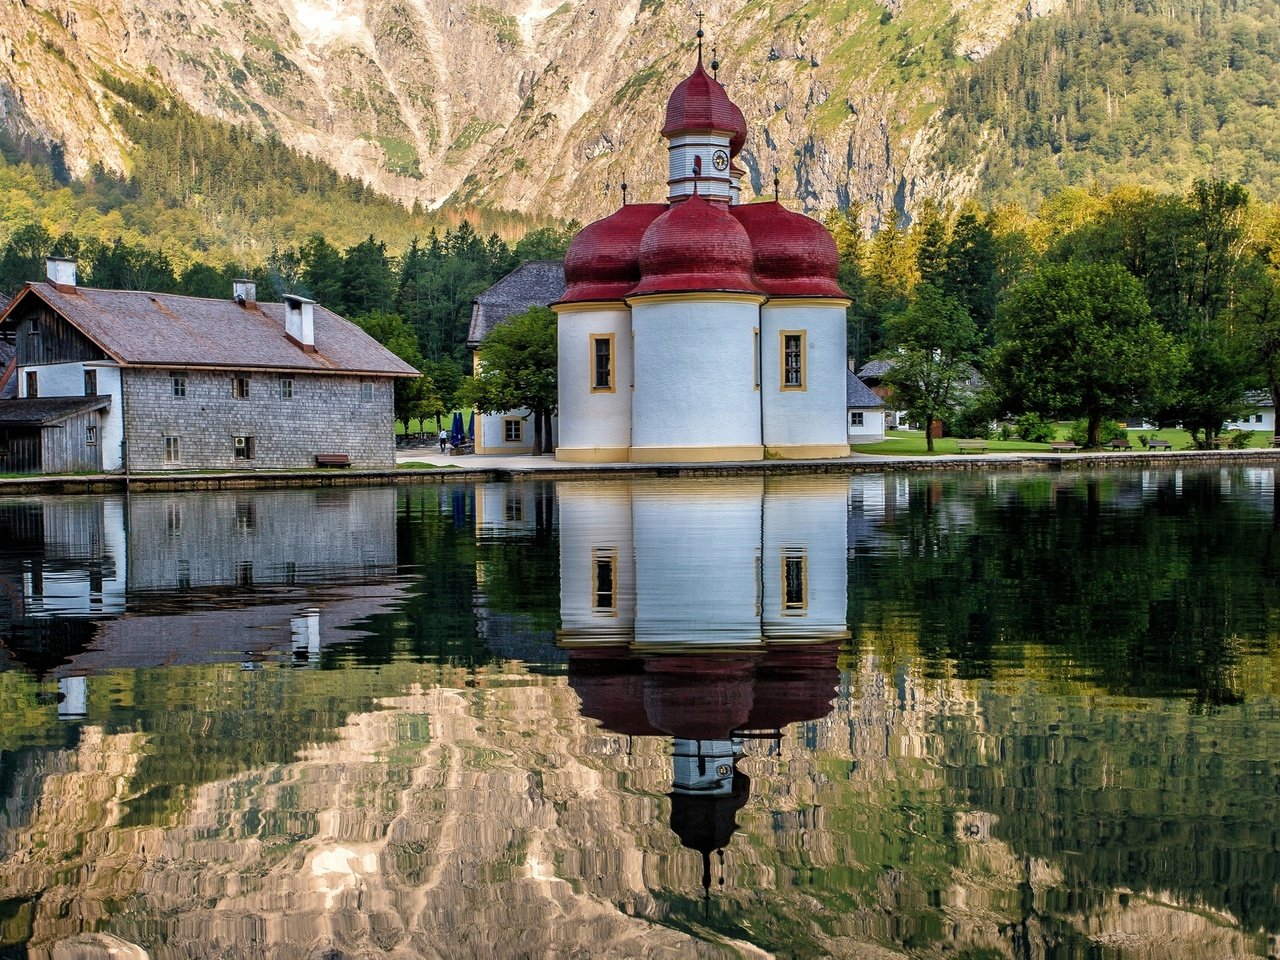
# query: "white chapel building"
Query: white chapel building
702,329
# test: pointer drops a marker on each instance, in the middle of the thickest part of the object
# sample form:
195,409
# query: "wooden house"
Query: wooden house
129,380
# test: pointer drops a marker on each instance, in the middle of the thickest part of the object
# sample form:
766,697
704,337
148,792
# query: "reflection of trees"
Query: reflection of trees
1148,591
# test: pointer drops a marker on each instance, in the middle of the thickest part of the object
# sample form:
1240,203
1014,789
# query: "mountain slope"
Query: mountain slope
533,106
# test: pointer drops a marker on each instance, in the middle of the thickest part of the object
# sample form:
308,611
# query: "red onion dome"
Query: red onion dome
795,256
739,138
603,261
699,103
695,245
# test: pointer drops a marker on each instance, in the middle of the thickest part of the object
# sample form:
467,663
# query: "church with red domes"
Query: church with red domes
702,329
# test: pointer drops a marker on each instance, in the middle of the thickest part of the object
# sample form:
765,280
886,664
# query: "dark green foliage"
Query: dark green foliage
1078,340
1034,428
1114,90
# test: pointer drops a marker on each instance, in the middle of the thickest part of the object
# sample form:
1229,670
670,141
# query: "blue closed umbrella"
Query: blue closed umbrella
471,425
455,434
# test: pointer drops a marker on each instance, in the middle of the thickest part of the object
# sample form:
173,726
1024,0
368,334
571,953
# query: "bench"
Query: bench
1119,443
1063,446
971,446
1275,441
332,460
1154,444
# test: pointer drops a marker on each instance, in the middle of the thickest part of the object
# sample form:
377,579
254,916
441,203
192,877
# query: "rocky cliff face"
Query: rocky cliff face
523,104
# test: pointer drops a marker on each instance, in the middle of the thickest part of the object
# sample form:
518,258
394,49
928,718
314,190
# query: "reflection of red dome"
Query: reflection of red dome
603,262
698,104
795,256
695,245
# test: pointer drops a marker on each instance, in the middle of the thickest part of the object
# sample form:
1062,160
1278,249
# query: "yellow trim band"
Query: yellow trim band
593,454
809,451
696,297
695,454
586,306
840,302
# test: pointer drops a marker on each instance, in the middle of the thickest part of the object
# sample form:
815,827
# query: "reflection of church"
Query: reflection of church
711,614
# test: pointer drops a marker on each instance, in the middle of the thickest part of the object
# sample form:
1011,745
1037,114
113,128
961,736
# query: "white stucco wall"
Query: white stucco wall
695,374
815,415
594,420
67,380
872,428
1259,418
595,525
697,550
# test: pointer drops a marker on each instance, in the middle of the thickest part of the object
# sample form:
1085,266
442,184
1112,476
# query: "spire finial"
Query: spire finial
775,184
700,34
715,64
624,189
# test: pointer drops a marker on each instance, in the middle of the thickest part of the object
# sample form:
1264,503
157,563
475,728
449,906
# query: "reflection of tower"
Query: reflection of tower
708,613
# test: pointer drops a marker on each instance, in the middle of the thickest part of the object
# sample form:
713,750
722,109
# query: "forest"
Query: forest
1123,92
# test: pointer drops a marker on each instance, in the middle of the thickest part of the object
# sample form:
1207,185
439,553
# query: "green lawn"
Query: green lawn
911,443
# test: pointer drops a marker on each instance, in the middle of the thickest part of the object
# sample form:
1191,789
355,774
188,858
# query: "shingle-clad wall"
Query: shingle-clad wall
325,415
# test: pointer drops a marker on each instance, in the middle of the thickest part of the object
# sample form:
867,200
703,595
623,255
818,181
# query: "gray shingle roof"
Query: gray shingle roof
534,284
1257,398
38,411
875,368
858,394
137,328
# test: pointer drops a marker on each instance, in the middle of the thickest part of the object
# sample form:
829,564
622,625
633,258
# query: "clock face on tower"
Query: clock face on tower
720,160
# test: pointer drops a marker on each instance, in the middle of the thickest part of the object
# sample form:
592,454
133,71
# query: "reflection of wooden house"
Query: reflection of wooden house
123,379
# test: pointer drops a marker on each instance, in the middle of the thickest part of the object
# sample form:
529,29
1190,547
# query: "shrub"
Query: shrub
1035,429
1239,439
1079,432
972,422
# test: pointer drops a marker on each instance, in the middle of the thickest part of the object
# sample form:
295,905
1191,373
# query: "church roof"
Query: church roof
538,283
695,246
699,103
858,394
603,262
794,255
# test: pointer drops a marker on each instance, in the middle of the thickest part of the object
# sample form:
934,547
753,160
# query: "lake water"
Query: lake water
967,716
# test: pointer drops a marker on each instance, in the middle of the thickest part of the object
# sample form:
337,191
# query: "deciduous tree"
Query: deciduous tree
517,370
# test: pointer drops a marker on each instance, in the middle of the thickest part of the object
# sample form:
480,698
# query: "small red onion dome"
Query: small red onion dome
695,245
699,103
795,256
603,261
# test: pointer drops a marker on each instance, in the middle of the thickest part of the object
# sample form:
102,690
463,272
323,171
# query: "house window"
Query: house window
243,448
286,388
366,390
855,418
179,384
602,363
172,450
795,584
513,429
173,518
246,516
514,509
792,359
604,581
90,436
33,384
1257,418
91,383
755,355
240,388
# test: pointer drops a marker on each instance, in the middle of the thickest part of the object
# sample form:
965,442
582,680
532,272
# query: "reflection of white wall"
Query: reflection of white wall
697,548
595,527
82,572
509,508
74,702
304,631
805,526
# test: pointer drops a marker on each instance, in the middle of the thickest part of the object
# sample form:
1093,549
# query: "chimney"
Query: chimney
244,292
61,273
299,322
